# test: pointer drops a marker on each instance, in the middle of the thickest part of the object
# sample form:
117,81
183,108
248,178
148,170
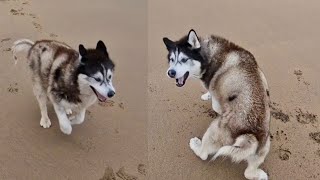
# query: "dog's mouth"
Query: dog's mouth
181,81
100,97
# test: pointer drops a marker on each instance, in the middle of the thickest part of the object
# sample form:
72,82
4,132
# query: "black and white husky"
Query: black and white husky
239,94
71,80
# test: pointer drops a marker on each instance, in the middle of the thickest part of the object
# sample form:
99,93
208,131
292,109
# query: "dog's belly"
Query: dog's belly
215,103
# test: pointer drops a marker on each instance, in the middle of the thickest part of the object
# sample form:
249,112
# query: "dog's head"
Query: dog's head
96,70
184,58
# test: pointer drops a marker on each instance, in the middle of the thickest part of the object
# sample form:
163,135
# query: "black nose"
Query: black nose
111,94
172,73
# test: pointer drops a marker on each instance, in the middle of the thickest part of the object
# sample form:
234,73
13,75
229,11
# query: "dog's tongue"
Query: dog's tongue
180,81
100,97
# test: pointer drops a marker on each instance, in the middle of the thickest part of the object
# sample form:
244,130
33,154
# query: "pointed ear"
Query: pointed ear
169,44
101,47
82,50
193,39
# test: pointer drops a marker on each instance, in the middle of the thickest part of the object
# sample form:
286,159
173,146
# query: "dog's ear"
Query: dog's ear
101,47
193,39
169,44
82,50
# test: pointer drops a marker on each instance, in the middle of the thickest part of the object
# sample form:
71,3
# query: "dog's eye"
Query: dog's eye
98,79
172,60
184,60
109,77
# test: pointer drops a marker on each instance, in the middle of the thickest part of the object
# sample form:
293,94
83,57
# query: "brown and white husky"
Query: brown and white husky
239,94
71,80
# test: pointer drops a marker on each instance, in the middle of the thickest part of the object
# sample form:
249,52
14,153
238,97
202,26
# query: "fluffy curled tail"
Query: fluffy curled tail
244,146
21,45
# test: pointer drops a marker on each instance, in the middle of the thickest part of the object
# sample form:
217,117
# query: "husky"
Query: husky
239,93
71,80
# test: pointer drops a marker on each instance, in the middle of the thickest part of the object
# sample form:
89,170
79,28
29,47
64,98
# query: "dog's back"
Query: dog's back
48,59
240,87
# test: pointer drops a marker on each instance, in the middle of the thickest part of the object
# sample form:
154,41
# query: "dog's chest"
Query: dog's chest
86,101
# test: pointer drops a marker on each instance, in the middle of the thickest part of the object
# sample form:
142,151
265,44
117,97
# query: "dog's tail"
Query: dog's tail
21,45
245,146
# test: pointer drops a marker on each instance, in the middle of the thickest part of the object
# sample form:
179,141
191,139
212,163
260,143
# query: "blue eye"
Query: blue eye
184,60
98,79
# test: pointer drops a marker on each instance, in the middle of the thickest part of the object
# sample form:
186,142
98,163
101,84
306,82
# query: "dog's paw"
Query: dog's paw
68,112
206,96
258,174
262,175
195,143
66,128
45,122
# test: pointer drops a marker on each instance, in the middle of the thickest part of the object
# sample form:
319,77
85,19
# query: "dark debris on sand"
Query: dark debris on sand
305,117
277,113
315,136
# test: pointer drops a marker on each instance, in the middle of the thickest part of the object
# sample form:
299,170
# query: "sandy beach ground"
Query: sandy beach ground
284,37
113,136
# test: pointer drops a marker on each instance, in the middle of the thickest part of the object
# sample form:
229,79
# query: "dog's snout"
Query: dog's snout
111,94
172,73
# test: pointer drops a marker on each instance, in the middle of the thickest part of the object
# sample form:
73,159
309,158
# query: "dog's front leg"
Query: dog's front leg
64,122
79,118
216,106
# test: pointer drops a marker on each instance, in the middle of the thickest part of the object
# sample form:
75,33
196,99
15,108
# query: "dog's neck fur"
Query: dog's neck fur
209,65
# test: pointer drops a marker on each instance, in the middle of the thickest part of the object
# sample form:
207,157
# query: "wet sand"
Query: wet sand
113,136
283,36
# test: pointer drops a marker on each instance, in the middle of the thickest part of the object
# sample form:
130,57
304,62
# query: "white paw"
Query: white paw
195,143
206,96
68,112
45,122
66,128
257,174
262,175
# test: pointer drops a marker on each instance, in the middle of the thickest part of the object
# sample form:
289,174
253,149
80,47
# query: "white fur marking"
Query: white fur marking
104,72
232,59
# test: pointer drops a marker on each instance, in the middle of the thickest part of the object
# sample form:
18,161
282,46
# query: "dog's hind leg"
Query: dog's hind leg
209,144
42,100
245,148
254,161
79,117
206,96
64,121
